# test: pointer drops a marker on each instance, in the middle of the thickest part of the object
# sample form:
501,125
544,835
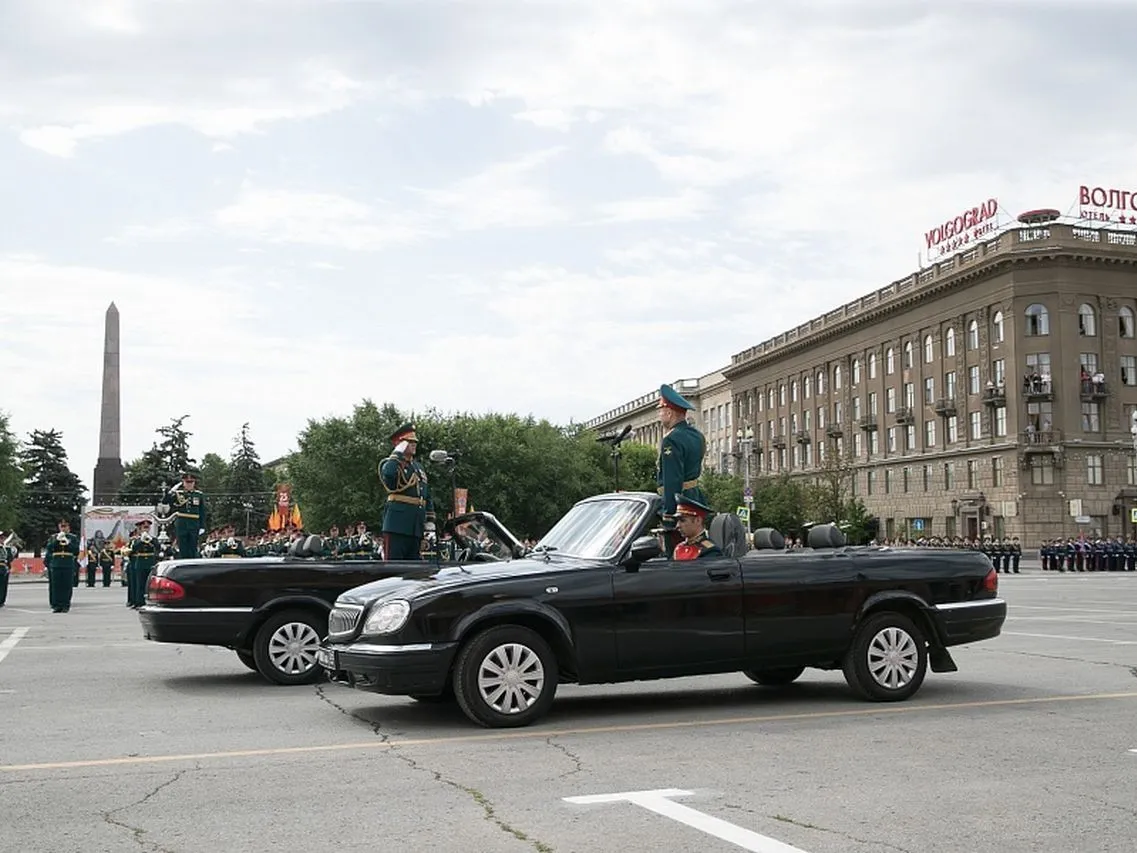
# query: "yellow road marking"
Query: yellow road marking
541,734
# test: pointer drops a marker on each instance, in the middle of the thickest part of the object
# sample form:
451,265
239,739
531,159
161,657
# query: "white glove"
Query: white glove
401,448
201,532
429,527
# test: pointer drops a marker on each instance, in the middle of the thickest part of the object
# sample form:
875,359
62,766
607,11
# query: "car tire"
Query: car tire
530,672
774,677
246,657
888,659
285,647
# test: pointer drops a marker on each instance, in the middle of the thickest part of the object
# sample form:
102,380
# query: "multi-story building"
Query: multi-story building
990,394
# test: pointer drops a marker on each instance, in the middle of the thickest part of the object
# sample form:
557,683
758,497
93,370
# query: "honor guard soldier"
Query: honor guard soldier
61,556
410,511
143,558
680,460
188,505
230,546
691,520
105,556
8,555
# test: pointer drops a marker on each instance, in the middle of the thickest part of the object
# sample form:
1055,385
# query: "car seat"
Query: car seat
727,532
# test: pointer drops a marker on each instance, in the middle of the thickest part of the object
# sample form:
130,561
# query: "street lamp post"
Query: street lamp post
745,440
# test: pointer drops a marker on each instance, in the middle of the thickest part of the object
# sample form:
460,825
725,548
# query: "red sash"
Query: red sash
687,551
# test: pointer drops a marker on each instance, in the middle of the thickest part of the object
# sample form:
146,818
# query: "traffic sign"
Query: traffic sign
743,513
918,524
748,500
748,492
1133,511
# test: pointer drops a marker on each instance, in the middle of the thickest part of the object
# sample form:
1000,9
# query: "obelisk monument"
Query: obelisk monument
108,470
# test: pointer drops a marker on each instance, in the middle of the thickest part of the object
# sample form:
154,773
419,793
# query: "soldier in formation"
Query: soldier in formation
8,555
143,552
61,558
1082,554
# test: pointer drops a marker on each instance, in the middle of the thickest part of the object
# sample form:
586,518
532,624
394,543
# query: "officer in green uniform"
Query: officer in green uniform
61,556
230,546
143,557
188,505
691,521
104,554
410,511
8,555
680,460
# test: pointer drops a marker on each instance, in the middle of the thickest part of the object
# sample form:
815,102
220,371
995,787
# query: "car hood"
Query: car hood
429,579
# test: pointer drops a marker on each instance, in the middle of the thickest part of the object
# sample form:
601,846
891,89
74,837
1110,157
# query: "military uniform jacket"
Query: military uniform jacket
188,508
7,555
62,555
143,554
409,505
106,557
694,549
679,467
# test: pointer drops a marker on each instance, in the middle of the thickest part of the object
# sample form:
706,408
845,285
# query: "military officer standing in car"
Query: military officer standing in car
691,521
188,506
410,512
61,558
680,460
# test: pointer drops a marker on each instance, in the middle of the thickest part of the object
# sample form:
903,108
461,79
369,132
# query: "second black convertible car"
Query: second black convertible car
595,603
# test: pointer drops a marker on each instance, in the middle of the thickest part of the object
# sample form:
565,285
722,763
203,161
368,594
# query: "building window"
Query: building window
1087,321
1039,419
805,417
874,443
770,399
1000,425
892,439
837,378
949,385
820,382
836,413
929,433
793,391
821,417
975,425
929,391
856,408
973,379
997,471
910,395
952,429
904,479
1089,362
910,437
949,476
1128,370
872,365
907,355
999,372
1039,363
1094,472
870,482
929,350
1125,322
856,371
971,478
1131,470
1037,320
807,387
858,444
927,477
949,343
888,481
973,335
889,400
782,394
997,328
1091,417
793,422
889,361
1042,471
872,404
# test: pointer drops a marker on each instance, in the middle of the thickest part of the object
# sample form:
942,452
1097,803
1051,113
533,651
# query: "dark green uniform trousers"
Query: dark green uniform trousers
92,573
136,584
60,586
3,585
398,546
186,535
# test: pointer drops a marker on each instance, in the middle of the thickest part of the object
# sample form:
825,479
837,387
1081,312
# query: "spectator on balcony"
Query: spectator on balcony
1044,382
1098,381
1031,437
1084,378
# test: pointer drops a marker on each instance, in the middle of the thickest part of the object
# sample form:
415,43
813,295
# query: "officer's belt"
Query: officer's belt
62,554
185,515
687,484
403,499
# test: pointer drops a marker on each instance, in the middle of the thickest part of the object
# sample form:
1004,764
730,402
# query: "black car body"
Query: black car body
273,611
595,603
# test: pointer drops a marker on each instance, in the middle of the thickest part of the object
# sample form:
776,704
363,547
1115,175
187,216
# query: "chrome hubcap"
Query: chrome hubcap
511,678
893,658
292,648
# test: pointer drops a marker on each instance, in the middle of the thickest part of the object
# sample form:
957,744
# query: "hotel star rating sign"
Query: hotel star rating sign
661,803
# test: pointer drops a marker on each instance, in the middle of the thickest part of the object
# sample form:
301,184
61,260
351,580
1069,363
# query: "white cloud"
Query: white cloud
688,204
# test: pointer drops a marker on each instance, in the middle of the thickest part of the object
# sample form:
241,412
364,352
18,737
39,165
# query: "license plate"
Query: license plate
326,658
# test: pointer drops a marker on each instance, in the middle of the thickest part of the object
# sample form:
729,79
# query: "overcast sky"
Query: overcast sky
535,207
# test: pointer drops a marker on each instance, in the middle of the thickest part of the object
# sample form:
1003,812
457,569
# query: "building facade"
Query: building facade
991,394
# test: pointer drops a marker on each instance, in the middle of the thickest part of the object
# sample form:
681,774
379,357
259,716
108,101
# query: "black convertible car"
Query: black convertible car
596,603
273,611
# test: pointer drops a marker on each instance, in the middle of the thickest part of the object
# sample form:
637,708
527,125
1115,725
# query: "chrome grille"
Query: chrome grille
343,619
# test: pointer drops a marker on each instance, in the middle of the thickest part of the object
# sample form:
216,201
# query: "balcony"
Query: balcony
995,396
1037,391
1094,392
778,441
803,437
905,416
1040,440
834,431
868,423
946,407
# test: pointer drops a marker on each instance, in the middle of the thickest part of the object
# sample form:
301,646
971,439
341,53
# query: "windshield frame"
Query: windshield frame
641,504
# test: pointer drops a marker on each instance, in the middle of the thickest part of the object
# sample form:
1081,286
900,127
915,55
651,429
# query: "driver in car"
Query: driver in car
691,522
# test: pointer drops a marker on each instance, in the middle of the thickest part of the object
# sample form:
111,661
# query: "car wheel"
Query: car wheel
286,645
246,657
505,677
774,677
888,659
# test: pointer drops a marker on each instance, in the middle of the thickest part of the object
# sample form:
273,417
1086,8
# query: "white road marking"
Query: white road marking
659,802
10,643
1065,637
1075,609
1075,619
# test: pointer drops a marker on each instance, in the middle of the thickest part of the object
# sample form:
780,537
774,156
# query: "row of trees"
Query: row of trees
526,471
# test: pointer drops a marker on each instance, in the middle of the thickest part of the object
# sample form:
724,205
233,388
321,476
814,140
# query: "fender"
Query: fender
899,595
520,606
297,598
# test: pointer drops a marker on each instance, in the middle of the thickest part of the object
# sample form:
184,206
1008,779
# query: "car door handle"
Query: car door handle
719,574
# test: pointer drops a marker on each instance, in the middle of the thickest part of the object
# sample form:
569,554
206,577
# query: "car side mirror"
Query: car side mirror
643,549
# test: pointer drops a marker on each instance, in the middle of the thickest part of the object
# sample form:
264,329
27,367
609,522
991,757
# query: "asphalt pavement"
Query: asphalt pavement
112,743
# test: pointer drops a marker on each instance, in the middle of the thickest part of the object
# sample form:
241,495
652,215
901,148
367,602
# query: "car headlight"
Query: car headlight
387,618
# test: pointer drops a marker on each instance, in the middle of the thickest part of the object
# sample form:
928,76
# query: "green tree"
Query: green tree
724,491
214,473
244,485
174,445
780,502
11,477
162,464
51,489
827,499
859,525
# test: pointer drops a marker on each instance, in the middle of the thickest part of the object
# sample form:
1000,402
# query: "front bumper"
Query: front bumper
970,621
396,670
203,626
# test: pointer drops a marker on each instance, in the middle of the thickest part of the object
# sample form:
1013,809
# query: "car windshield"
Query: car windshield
594,530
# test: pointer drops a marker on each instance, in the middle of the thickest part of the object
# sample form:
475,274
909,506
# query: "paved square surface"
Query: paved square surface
110,743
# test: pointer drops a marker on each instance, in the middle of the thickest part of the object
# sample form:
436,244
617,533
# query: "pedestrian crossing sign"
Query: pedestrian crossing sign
1133,515
744,513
